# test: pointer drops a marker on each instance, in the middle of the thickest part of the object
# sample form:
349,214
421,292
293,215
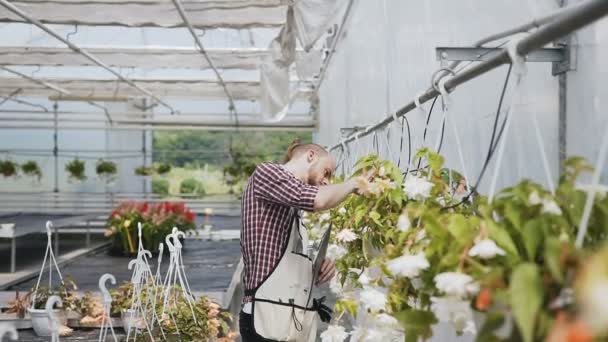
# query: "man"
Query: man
277,269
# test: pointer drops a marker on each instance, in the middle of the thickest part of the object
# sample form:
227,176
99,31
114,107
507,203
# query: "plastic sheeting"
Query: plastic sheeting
387,57
149,57
109,88
203,14
308,19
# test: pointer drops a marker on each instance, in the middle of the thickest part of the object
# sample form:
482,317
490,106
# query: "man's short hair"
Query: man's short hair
296,149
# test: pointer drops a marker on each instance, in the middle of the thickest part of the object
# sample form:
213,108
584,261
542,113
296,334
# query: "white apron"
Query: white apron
282,306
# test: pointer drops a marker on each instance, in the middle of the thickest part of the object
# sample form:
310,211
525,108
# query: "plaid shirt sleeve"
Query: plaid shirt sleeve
274,184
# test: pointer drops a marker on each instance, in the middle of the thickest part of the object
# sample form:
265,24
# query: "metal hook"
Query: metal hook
139,230
9,329
49,227
53,321
169,243
107,297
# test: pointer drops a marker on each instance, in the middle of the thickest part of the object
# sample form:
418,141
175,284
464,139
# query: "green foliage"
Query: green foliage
160,186
8,168
163,168
76,169
533,229
106,170
144,171
526,298
191,186
32,169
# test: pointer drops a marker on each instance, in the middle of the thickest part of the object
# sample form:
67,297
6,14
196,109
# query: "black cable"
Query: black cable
493,144
409,145
428,119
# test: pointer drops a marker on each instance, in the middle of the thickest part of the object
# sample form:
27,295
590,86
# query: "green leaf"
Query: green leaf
526,293
502,238
552,253
533,237
513,214
493,322
416,323
375,216
461,230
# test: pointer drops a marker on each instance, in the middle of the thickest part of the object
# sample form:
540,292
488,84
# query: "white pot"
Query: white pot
131,319
41,322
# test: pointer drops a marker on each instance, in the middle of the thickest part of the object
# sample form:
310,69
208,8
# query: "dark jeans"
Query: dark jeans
248,333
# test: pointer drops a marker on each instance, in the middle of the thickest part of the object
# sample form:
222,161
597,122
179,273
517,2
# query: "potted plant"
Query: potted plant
144,171
31,168
157,221
76,170
106,170
163,168
8,168
38,314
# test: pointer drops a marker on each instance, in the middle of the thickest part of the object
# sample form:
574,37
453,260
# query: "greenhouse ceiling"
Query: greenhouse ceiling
167,58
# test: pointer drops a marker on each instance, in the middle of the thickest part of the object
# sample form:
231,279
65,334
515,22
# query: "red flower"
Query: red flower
484,299
190,216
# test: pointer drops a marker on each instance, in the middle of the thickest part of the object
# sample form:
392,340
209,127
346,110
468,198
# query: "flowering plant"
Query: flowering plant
418,251
157,221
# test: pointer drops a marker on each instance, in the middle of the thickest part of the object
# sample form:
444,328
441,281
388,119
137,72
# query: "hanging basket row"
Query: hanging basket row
30,168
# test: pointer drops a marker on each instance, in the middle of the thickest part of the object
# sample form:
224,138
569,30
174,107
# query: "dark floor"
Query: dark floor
209,266
91,335
31,248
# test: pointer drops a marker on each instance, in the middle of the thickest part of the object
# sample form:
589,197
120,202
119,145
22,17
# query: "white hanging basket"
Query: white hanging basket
40,321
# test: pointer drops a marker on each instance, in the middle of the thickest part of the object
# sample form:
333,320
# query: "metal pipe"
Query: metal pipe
570,21
199,44
76,49
334,44
259,127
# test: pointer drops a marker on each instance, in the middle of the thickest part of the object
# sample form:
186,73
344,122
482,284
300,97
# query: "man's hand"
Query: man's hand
328,271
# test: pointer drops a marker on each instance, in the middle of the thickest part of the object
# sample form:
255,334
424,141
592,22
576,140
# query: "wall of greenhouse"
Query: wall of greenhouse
387,57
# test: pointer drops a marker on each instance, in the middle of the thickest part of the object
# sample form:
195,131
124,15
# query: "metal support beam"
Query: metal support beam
480,54
76,49
199,45
584,14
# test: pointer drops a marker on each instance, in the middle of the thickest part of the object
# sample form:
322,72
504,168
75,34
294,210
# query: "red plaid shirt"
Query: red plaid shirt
267,216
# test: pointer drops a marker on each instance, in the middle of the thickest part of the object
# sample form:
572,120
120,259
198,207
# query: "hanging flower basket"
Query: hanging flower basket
106,170
144,171
163,169
8,168
76,170
31,169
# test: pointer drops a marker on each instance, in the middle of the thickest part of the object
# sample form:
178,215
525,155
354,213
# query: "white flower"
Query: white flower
342,211
455,311
334,333
358,334
382,171
335,286
386,320
417,188
403,223
373,299
486,249
408,266
335,252
593,299
456,284
534,198
346,235
325,217
364,279
550,207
